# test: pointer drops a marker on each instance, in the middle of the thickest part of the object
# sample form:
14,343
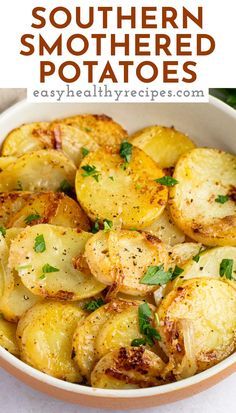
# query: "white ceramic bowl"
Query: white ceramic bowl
209,124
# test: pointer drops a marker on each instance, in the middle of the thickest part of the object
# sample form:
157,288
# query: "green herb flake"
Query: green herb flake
90,170
136,342
65,187
88,130
31,218
107,225
84,152
145,327
19,186
167,181
226,268
222,199
196,258
177,271
95,227
156,275
94,304
46,269
39,243
126,151
3,231
24,267
111,178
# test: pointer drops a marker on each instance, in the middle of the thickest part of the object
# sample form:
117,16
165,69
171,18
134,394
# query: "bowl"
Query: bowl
209,124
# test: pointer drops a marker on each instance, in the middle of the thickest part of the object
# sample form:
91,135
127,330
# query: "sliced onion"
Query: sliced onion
188,366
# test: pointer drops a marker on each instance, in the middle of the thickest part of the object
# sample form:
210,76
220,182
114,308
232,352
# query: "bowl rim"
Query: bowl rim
111,393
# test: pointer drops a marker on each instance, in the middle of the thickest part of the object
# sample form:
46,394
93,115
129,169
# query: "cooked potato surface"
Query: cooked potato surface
101,128
163,145
197,324
44,335
133,198
19,209
46,259
8,337
38,171
128,368
108,277
203,201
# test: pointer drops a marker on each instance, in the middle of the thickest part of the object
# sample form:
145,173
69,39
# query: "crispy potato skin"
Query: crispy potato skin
53,208
8,337
128,368
101,128
209,306
38,171
164,145
44,335
131,199
203,174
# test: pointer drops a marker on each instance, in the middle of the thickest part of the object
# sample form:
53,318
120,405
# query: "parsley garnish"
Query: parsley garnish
177,271
136,342
226,268
95,227
39,243
166,181
47,268
88,130
126,151
90,170
94,304
107,225
145,327
84,152
3,231
156,275
65,187
221,199
111,178
196,258
32,217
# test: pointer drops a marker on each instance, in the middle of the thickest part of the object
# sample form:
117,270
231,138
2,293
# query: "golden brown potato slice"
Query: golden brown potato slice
197,324
45,334
84,349
203,202
6,275
164,145
102,129
5,161
72,140
8,337
165,229
121,258
38,171
19,209
127,195
128,368
27,138
47,257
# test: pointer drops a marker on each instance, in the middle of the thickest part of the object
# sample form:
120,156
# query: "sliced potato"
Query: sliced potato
209,265
197,324
128,196
27,138
53,273
84,340
47,207
180,254
164,145
5,161
121,258
165,229
102,129
6,276
45,334
38,171
72,140
204,175
8,337
128,368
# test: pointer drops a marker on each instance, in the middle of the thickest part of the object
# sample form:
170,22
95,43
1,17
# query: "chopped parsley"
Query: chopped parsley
32,217
88,130
196,257
167,181
94,304
39,243
84,152
111,178
136,342
47,268
3,231
145,327
65,187
95,227
177,271
126,151
124,166
222,199
226,268
90,170
156,275
107,225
